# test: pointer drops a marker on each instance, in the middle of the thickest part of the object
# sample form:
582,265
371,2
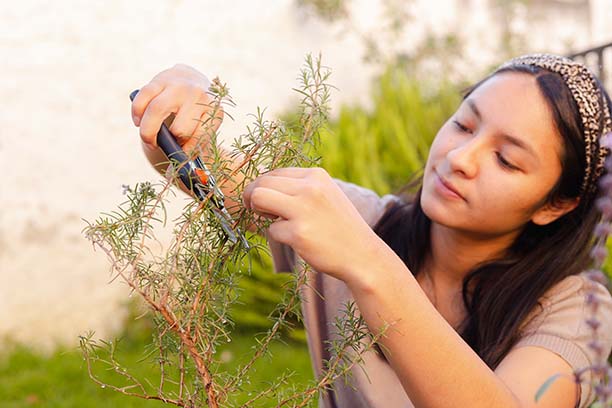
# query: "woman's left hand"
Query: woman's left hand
315,218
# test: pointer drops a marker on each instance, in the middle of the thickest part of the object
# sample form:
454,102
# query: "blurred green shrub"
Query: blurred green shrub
383,148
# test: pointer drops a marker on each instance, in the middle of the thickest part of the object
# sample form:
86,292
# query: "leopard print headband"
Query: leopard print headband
593,108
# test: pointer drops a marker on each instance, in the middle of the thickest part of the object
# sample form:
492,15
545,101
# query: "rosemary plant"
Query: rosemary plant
189,287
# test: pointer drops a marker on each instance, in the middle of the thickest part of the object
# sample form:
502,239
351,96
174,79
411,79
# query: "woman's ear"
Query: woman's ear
549,212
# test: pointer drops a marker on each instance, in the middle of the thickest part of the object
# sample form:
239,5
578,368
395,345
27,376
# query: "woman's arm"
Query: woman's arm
435,365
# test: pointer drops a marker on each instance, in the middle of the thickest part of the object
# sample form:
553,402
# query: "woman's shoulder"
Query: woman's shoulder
370,204
572,301
575,288
565,323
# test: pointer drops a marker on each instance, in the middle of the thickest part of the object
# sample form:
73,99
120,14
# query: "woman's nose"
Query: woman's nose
464,157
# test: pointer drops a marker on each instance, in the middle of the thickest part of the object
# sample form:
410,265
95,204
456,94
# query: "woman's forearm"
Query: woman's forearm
436,367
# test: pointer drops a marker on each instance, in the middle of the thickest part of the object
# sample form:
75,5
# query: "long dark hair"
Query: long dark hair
499,294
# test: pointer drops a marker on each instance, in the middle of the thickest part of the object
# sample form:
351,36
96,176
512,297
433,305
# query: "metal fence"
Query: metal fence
599,60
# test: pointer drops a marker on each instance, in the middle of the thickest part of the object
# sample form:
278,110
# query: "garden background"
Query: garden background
68,145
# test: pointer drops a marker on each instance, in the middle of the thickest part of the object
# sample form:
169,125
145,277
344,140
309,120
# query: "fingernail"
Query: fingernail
136,120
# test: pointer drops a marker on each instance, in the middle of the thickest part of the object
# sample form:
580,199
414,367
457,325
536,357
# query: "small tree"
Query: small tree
190,287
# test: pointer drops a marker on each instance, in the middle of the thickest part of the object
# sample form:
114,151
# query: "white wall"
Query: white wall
67,143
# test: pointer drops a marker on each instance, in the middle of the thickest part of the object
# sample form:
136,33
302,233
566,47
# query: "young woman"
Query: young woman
479,274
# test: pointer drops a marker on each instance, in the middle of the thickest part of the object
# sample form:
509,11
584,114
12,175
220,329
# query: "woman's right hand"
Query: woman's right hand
178,94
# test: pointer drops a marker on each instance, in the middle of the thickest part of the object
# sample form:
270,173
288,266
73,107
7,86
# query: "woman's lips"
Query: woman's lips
447,189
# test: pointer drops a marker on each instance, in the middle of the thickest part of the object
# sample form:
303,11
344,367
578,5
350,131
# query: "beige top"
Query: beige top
560,327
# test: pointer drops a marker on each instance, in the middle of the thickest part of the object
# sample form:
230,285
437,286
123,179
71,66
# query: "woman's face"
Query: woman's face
493,163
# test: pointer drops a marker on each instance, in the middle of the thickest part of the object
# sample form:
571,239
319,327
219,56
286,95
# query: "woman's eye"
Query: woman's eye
500,158
461,127
505,163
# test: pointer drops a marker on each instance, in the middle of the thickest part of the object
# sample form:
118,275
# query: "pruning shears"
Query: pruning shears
196,177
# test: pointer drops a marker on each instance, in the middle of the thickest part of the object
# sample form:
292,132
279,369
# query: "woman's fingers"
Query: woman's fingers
290,181
142,99
285,185
180,91
187,121
272,202
294,172
158,109
280,231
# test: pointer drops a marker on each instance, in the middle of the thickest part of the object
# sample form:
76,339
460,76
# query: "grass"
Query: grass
28,379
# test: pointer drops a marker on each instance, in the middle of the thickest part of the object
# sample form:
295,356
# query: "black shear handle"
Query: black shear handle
173,151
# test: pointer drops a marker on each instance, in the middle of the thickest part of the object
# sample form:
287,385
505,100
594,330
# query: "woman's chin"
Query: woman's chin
442,213
436,211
